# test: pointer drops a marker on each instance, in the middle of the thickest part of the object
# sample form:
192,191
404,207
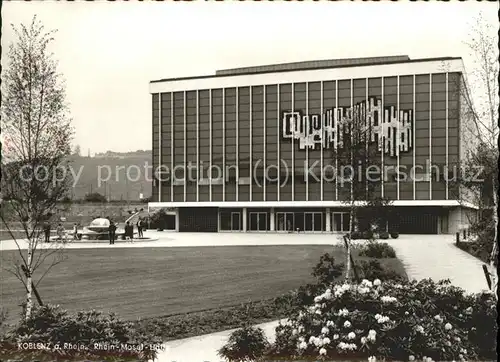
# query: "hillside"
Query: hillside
112,170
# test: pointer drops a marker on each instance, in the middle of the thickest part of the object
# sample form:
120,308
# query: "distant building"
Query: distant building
272,123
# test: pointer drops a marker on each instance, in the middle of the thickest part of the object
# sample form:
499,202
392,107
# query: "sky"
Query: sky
108,52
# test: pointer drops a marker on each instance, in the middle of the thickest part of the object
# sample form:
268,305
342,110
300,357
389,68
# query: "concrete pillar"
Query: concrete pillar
328,223
244,219
177,221
271,221
218,220
454,220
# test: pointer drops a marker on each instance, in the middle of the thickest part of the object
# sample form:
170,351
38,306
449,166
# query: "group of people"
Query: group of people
129,231
60,232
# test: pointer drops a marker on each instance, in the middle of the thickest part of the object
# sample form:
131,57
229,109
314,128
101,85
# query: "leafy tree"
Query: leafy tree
35,172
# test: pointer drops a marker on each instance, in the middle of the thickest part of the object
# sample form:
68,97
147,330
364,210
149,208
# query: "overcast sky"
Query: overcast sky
109,51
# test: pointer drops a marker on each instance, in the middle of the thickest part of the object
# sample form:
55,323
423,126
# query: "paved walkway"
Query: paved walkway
424,256
173,239
204,348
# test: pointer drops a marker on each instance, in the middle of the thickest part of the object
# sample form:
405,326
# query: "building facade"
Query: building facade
254,149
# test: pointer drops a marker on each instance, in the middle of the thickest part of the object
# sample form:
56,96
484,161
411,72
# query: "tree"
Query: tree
95,197
481,112
36,168
360,174
77,151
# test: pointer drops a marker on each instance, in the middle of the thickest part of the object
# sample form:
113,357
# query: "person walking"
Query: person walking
129,231
61,232
46,230
112,230
139,228
75,231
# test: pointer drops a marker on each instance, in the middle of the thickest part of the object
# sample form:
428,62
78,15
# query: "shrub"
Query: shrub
66,200
372,269
355,235
57,328
326,271
95,197
367,234
394,235
482,234
158,219
476,249
391,321
378,250
245,344
384,235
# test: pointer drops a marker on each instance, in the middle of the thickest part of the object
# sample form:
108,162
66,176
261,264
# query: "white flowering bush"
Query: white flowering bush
391,320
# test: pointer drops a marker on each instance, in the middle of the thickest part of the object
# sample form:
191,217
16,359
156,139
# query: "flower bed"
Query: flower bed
392,321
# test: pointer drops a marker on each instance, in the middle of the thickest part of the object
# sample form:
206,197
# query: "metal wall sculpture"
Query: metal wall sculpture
392,131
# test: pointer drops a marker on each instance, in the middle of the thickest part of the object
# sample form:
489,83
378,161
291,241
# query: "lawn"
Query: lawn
151,282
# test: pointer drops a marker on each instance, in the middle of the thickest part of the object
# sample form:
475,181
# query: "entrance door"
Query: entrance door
235,221
170,222
308,221
230,221
313,221
318,221
262,221
254,221
341,221
285,221
258,221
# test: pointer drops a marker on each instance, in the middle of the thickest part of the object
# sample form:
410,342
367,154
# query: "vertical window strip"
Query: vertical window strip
265,140
250,163
198,145
383,140
223,145
446,116
293,145
237,144
322,140
367,130
185,148
278,88
430,136
336,143
351,131
414,137
160,177
398,138
172,140
307,148
210,112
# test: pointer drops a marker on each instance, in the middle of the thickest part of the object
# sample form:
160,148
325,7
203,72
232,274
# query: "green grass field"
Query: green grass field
149,282
154,282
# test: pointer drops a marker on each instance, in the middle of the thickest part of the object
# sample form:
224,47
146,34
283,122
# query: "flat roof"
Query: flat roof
289,67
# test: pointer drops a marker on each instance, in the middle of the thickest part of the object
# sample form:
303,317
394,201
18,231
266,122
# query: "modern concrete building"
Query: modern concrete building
269,135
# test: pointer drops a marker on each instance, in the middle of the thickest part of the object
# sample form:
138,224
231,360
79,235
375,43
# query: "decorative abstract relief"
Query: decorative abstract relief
392,132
